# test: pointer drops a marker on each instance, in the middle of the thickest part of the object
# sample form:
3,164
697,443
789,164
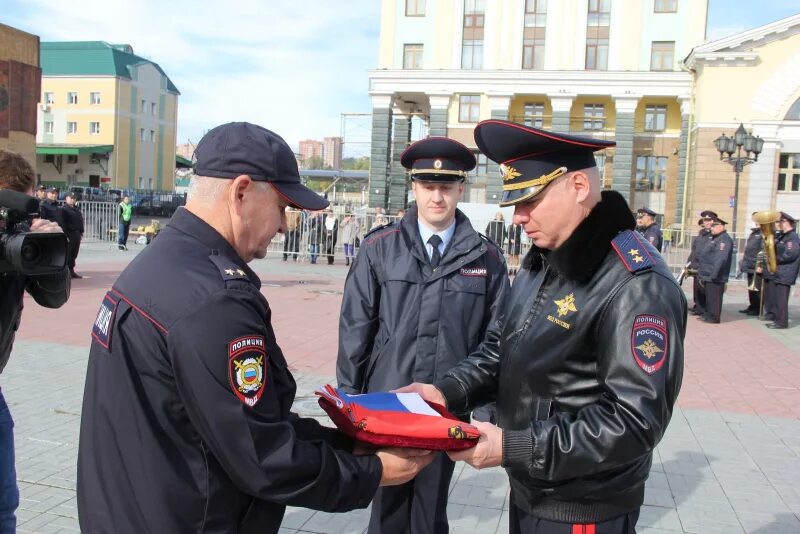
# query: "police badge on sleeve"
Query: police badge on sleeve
649,342
247,368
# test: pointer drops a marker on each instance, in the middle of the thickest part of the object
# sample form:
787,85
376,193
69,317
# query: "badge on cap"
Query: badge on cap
247,368
649,342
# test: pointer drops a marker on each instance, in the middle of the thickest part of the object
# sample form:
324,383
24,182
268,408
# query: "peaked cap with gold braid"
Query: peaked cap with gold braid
438,159
531,158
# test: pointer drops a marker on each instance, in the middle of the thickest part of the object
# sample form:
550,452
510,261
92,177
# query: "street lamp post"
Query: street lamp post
726,147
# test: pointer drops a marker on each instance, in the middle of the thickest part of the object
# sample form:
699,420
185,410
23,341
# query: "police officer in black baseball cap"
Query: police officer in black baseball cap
188,393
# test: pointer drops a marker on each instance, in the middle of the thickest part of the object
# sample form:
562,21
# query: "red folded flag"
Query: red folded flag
396,420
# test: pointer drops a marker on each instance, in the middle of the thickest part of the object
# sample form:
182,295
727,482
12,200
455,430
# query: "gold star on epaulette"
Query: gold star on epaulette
635,255
240,272
229,272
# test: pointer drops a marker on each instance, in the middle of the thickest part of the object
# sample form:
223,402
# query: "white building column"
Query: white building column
498,108
623,154
437,120
562,106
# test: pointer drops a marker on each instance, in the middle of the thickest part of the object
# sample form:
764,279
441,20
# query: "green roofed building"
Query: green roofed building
106,118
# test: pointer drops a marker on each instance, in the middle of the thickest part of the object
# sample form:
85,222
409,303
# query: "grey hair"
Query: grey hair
205,190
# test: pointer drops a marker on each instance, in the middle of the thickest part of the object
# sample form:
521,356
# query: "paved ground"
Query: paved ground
729,463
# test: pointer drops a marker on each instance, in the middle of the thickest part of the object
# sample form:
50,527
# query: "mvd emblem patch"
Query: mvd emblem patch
104,322
649,342
247,368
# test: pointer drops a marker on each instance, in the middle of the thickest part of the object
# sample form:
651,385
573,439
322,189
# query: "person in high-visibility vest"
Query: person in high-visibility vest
125,214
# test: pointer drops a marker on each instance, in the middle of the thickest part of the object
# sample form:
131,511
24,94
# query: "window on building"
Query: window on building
72,159
469,107
48,127
662,55
415,8
533,34
153,109
142,134
594,116
144,106
480,174
412,56
666,6
655,118
72,97
651,173
152,136
49,158
94,128
72,127
49,98
472,40
789,173
534,114
94,98
597,30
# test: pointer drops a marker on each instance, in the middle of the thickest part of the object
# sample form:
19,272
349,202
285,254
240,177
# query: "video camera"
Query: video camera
23,251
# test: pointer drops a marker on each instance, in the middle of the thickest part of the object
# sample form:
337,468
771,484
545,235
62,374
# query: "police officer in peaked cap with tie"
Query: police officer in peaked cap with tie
647,226
419,298
186,422
587,363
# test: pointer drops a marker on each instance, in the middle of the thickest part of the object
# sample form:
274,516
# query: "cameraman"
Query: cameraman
50,291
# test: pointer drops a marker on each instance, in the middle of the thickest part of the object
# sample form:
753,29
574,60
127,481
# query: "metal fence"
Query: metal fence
98,219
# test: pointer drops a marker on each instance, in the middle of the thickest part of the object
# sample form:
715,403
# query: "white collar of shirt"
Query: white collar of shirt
447,234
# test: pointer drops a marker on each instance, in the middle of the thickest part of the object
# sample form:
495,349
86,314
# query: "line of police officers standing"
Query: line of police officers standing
67,216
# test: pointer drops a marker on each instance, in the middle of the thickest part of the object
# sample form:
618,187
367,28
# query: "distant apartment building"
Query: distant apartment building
310,149
332,152
603,68
20,79
107,117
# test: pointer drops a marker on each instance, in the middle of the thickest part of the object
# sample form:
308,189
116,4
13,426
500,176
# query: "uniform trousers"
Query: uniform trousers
754,296
778,303
768,287
699,296
73,247
419,506
714,291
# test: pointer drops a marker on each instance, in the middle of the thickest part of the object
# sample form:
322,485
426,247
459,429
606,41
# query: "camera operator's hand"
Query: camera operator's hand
45,226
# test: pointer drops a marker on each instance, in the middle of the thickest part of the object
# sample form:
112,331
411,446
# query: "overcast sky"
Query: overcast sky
293,66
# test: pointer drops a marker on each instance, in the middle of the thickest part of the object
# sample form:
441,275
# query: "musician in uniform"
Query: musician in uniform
787,253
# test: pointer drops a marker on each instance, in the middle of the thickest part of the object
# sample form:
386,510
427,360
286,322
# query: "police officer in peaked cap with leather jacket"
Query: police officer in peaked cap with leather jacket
588,362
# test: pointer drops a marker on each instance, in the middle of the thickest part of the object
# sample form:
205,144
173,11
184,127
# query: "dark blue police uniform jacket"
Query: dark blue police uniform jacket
186,424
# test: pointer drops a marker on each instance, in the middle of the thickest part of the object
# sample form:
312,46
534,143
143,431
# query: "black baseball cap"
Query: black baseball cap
238,148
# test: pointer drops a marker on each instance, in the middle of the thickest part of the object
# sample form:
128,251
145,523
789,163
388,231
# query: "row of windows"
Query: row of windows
594,116
94,129
662,53
72,98
95,99
416,8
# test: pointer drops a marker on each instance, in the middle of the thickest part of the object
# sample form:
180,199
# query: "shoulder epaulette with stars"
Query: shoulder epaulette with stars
632,251
228,269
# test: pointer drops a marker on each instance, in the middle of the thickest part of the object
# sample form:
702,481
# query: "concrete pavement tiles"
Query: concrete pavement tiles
728,463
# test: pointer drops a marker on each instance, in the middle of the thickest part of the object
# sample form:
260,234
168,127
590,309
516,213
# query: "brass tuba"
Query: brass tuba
766,220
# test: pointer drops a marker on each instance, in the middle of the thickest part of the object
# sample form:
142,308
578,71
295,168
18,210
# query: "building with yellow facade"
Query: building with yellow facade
20,80
604,68
752,77
106,117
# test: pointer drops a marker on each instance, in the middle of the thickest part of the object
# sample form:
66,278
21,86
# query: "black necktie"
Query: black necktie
436,257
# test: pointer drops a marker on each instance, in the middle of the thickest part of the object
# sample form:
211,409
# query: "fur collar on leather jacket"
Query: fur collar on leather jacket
581,254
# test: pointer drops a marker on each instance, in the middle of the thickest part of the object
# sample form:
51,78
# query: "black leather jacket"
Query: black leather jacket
401,321
586,368
715,265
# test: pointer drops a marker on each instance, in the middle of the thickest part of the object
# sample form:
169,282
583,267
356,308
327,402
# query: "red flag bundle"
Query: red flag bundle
396,420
